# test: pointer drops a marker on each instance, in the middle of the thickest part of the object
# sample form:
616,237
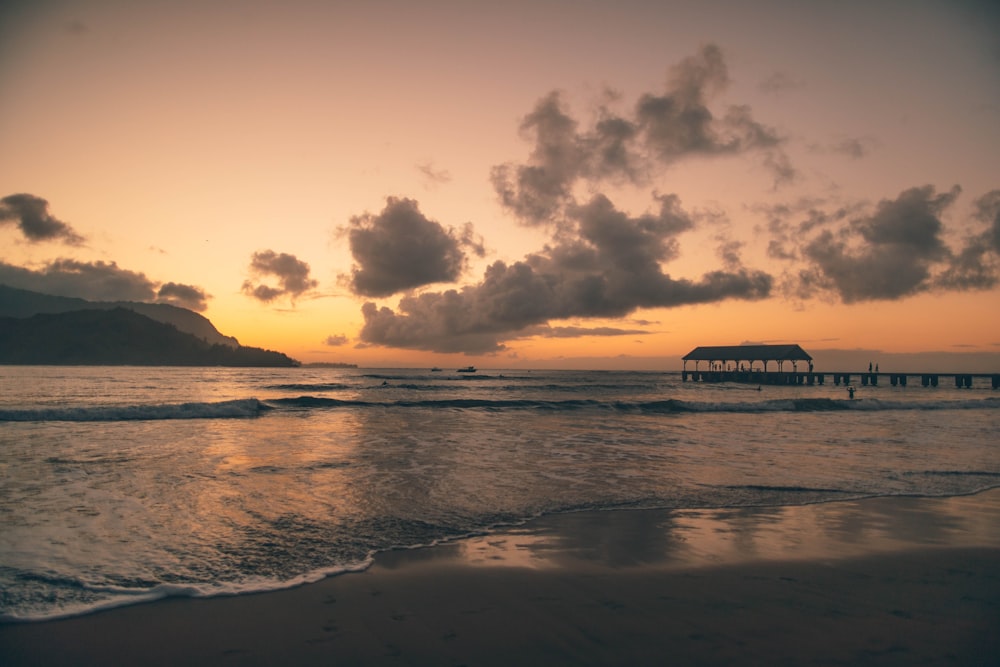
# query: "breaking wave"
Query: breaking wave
666,406
252,407
246,407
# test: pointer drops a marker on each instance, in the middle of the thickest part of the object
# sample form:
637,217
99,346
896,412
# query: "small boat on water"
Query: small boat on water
435,370
467,369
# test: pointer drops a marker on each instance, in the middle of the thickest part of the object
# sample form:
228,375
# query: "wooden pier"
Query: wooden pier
864,379
749,364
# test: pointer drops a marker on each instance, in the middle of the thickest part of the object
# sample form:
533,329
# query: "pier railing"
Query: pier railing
960,380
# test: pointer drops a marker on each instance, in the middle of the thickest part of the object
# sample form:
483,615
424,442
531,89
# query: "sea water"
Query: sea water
126,484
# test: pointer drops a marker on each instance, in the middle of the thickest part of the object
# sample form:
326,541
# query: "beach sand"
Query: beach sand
891,581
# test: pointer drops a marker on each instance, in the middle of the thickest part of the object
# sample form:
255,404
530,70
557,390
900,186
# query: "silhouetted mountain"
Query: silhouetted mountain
16,302
117,337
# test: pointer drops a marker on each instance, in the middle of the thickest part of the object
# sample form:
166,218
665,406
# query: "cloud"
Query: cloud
336,340
291,273
536,191
400,249
855,148
578,332
988,212
780,82
897,250
662,129
977,265
184,296
31,214
434,176
99,281
609,267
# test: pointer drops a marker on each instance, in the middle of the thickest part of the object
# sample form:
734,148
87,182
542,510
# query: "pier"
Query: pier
751,364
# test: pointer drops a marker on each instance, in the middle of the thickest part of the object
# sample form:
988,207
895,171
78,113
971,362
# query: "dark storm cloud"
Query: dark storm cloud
610,267
31,215
663,129
291,273
897,251
96,281
400,249
184,296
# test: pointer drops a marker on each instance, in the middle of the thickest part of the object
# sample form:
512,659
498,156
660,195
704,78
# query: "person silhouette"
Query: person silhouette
850,392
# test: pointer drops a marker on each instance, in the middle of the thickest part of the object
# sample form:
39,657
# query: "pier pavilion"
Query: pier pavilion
749,363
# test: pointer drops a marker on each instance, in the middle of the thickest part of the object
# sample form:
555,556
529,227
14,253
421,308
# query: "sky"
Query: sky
554,183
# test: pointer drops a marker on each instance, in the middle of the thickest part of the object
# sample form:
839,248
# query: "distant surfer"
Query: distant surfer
850,392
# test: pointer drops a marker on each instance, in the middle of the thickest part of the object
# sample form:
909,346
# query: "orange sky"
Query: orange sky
537,183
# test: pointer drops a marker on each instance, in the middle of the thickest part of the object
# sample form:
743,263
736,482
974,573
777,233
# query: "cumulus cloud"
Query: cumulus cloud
536,191
336,340
680,123
184,296
100,281
887,255
400,249
610,266
988,212
897,250
32,217
977,264
291,273
662,129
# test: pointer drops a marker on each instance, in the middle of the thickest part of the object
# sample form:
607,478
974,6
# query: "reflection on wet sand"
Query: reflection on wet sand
695,538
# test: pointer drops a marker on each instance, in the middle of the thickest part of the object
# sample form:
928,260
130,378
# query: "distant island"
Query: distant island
41,329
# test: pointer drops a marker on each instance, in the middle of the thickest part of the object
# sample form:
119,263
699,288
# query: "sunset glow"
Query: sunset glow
551,184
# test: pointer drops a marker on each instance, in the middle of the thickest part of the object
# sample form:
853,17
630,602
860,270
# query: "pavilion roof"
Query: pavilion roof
747,353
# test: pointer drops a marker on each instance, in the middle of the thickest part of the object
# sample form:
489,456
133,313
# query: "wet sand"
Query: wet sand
892,581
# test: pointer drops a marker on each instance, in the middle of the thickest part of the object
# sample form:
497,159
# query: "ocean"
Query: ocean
121,485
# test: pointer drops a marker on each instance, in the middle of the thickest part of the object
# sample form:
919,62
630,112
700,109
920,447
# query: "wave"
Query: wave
240,408
322,386
666,406
785,489
113,596
252,407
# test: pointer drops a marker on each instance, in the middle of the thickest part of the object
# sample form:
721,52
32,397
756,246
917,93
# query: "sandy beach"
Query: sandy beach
889,581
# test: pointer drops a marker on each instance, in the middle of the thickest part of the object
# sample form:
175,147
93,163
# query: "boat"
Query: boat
435,370
467,369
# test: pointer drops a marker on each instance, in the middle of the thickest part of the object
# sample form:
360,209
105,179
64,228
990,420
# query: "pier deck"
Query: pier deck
863,378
